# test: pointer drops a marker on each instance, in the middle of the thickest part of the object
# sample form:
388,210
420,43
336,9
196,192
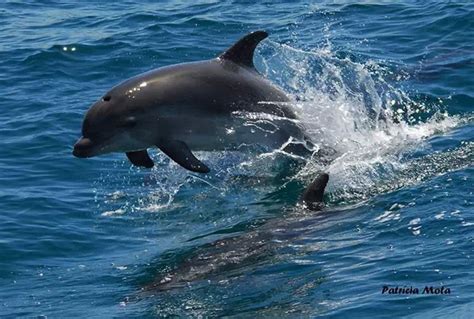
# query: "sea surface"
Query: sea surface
389,85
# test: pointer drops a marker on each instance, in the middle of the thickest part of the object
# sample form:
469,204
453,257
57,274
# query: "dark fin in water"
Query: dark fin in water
140,158
313,195
179,152
242,52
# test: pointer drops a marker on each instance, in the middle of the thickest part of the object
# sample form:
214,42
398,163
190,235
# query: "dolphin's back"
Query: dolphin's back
212,86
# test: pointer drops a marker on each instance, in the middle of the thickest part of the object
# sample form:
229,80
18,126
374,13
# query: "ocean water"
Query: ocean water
388,84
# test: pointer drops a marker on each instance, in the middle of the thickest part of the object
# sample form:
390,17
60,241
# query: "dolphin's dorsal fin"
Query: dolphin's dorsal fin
242,52
313,195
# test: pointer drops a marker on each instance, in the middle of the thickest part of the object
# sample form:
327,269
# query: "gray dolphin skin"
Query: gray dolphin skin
231,254
200,106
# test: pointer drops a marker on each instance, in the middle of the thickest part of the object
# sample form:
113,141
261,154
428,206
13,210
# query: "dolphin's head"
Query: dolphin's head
111,125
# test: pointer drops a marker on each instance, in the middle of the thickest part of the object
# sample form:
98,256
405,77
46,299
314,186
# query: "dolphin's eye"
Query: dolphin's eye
106,98
129,122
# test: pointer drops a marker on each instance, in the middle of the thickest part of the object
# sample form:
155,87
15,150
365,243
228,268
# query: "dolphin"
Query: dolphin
217,104
230,254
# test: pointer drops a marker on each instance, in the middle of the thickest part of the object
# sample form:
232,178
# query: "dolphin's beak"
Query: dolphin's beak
83,148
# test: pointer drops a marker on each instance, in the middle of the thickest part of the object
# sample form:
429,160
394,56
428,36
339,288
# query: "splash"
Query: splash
359,109
238,178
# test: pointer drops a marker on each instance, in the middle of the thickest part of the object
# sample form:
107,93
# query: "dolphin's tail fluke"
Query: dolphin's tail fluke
313,195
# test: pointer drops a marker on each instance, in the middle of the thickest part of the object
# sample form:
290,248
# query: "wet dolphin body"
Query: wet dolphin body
200,106
231,254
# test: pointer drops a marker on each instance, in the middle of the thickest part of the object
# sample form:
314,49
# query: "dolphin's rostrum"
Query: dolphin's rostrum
200,106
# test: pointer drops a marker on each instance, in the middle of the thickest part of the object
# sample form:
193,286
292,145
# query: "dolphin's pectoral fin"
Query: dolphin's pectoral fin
179,152
313,195
242,51
140,158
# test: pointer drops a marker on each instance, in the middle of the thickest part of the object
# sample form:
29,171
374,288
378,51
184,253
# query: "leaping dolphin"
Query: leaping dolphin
200,106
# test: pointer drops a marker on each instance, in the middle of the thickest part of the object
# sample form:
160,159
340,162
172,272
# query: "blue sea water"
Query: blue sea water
388,84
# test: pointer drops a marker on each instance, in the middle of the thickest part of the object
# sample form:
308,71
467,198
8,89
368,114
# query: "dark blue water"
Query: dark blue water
388,84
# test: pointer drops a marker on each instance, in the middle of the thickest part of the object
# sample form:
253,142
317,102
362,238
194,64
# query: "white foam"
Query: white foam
359,110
